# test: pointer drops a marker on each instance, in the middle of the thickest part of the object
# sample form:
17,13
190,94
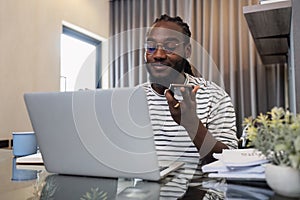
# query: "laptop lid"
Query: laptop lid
105,133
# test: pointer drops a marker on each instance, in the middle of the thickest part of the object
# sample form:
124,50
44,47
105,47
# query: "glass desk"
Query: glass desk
27,182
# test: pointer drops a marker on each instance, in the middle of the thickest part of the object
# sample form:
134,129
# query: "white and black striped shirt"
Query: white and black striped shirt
214,109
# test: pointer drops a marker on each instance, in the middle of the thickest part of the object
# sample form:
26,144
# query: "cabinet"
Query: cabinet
276,32
269,25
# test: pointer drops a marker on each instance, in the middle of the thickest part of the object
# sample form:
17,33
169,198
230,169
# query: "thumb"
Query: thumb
170,98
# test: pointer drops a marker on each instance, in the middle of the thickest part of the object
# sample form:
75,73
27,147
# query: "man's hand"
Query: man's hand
184,112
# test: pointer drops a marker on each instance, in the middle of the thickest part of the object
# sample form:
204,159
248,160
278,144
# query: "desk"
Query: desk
52,186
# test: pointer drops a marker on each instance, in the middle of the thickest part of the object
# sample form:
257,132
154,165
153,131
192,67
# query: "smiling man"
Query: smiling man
203,122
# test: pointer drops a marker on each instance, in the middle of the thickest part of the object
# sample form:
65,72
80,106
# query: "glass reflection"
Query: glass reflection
20,173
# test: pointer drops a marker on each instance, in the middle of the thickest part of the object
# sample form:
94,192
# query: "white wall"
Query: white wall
30,49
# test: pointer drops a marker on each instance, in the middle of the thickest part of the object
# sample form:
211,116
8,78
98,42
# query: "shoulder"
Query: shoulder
206,86
146,86
195,80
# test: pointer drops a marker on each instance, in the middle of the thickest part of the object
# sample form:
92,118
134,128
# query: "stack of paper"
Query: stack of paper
241,164
30,162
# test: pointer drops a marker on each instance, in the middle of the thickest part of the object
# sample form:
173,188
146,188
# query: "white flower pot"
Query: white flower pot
283,180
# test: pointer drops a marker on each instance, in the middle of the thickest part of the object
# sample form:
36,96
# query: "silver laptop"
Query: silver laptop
106,133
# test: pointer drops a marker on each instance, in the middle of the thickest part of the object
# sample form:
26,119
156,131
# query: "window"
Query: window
80,61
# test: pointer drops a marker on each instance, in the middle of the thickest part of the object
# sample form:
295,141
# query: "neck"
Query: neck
158,88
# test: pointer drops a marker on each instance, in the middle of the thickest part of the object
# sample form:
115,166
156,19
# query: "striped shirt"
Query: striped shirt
214,109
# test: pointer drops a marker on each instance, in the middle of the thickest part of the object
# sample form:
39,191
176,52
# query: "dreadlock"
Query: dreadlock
185,27
185,30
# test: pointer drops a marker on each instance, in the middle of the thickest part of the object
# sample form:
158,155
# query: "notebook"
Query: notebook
106,133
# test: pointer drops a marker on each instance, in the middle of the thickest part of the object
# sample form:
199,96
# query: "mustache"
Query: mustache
158,64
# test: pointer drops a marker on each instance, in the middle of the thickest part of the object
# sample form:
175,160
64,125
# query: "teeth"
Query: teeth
158,64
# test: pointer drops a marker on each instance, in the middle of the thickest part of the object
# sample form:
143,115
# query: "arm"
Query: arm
186,116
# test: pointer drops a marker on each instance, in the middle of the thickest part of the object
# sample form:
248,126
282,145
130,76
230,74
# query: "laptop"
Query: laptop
103,133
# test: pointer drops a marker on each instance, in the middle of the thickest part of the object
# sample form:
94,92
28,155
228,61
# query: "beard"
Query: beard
171,75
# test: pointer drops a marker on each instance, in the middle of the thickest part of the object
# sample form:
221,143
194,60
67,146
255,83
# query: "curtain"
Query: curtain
223,50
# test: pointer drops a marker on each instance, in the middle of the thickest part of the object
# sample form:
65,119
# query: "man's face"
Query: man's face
165,52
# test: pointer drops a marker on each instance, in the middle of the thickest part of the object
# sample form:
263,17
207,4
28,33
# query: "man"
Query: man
201,124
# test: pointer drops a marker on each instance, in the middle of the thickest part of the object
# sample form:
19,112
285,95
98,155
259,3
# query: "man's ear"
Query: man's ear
188,50
145,57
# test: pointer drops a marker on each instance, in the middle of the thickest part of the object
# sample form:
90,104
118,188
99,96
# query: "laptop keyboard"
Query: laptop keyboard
161,168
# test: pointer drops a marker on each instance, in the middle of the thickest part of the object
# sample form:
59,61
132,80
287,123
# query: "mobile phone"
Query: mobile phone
175,88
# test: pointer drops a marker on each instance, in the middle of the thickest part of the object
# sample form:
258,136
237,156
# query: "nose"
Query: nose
159,54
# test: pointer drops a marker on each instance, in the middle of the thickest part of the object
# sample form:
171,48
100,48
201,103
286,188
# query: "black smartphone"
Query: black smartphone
175,88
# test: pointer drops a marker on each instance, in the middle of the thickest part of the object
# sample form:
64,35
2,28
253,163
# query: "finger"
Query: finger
196,88
171,100
185,93
194,92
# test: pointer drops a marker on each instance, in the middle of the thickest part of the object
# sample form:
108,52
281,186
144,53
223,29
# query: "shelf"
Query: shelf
269,25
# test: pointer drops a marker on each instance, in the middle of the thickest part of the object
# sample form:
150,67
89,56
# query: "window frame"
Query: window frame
88,39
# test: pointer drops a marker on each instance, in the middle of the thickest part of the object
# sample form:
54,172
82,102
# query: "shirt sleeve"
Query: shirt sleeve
221,118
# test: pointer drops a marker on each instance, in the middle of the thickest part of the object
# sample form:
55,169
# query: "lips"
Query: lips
159,66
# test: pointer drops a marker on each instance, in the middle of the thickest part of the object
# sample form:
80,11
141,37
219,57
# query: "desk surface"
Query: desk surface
21,183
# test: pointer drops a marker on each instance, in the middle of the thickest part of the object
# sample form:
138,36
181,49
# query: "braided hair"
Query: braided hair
185,30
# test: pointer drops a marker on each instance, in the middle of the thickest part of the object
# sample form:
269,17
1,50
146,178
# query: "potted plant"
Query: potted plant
277,135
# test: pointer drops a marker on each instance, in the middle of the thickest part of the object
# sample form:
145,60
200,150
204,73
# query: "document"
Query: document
237,164
242,157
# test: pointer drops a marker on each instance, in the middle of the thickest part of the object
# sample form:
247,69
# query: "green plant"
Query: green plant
277,135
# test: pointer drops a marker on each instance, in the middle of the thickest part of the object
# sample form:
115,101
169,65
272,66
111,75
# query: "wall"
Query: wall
30,49
294,68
